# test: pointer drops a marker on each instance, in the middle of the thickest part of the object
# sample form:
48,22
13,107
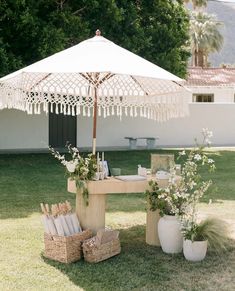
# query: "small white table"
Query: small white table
93,215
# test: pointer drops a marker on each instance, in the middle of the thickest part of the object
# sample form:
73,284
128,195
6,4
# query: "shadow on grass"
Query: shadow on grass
133,268
142,267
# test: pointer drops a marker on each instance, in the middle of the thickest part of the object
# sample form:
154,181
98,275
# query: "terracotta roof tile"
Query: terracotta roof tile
210,77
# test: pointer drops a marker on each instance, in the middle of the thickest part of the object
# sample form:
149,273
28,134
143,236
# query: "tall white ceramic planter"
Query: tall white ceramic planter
170,236
194,251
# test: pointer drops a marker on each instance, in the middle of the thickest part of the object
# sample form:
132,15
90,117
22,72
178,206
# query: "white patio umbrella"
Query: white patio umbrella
96,77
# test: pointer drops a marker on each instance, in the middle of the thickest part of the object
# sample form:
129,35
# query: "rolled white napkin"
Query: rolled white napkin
75,222
69,223
59,226
45,224
64,225
51,225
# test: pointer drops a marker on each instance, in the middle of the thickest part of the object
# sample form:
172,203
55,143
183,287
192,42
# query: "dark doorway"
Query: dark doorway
62,129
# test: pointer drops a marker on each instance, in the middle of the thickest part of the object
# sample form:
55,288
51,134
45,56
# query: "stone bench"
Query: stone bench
150,142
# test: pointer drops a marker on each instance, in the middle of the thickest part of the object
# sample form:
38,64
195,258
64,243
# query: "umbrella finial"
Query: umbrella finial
98,32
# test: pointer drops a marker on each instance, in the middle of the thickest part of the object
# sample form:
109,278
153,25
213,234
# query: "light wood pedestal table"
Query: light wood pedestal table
93,215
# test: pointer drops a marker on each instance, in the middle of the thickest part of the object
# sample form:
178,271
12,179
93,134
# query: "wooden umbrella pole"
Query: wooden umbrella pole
94,123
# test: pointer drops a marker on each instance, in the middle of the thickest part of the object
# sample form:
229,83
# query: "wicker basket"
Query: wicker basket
94,253
65,249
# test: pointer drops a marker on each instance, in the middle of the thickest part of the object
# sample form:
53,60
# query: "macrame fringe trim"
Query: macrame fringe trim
124,100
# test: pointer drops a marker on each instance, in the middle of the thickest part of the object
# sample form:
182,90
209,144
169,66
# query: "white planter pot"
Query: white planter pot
194,251
170,236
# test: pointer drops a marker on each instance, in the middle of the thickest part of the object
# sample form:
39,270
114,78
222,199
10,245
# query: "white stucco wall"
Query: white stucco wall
221,94
220,118
21,131
18,130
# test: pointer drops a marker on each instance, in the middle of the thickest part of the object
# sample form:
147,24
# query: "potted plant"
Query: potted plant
169,202
177,199
210,232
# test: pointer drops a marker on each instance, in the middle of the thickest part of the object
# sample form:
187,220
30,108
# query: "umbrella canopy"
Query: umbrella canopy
96,77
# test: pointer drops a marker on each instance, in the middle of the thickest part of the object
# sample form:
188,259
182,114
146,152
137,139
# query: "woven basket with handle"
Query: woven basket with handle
101,247
65,249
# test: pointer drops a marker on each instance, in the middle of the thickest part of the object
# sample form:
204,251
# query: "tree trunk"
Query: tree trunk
200,58
192,59
206,60
195,58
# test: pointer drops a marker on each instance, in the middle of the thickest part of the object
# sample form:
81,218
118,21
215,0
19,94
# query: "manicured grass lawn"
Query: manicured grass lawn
27,180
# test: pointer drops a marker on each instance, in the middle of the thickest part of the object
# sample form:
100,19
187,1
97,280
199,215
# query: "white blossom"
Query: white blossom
167,190
71,166
207,141
75,150
61,158
197,157
175,196
207,133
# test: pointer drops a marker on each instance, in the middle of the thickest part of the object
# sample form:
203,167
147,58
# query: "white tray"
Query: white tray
131,178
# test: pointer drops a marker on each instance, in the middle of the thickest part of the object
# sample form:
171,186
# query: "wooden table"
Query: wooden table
93,215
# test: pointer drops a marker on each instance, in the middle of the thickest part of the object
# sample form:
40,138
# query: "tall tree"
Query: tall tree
205,37
31,30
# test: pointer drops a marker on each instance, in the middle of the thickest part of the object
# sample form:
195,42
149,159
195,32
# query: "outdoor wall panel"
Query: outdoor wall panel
18,130
21,131
220,118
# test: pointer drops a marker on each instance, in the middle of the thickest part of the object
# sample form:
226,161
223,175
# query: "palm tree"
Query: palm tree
197,3
205,37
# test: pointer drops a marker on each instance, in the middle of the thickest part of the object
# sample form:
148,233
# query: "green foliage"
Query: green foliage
180,197
169,201
205,36
8,61
214,230
153,197
30,30
78,168
82,186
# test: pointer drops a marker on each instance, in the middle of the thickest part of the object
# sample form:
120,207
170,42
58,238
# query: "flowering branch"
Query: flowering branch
181,197
78,168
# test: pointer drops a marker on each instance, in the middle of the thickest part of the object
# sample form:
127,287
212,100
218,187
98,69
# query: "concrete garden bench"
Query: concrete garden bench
150,142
